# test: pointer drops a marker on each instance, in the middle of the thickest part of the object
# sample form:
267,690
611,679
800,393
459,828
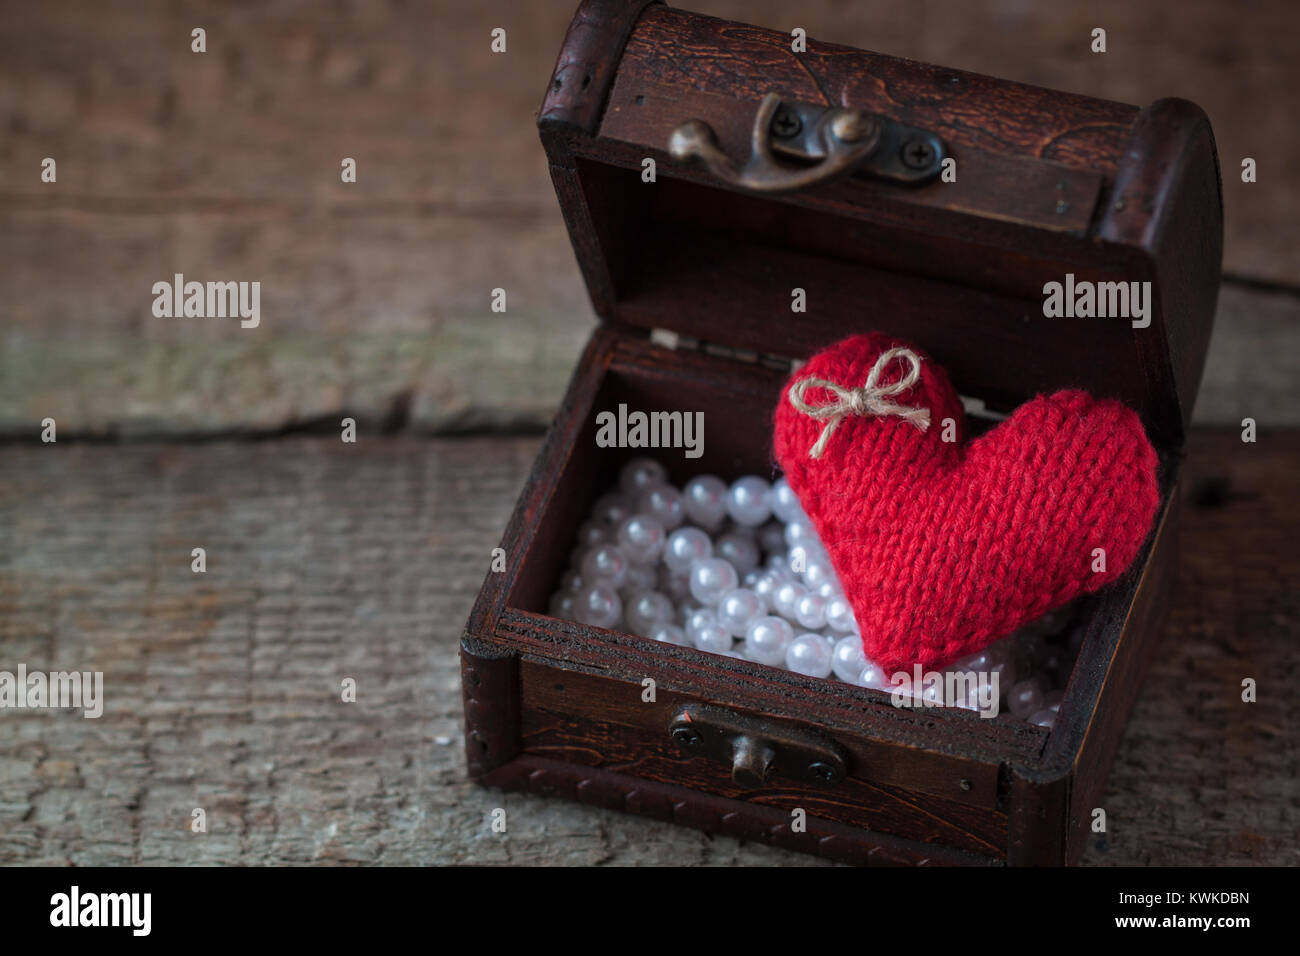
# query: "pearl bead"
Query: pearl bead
874,676
839,615
570,581
670,634
641,473
848,659
592,533
640,577
1025,698
739,549
1006,674
785,503
771,537
605,564
697,619
1044,718
968,696
646,611
817,572
810,655
705,500
562,605
737,610
1052,663
747,501
712,578
981,661
612,508
664,503
798,533
785,600
713,638
932,692
598,606
1052,700
810,611
676,586
765,587
766,640
908,693
685,547
641,538
814,550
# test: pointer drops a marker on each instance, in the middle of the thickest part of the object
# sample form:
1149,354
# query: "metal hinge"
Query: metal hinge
824,142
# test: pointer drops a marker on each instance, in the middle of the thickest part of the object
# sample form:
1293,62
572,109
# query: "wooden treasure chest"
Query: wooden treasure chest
711,173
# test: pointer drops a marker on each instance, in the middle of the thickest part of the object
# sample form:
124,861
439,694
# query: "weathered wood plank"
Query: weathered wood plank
328,560
1202,778
1252,368
414,92
422,353
225,165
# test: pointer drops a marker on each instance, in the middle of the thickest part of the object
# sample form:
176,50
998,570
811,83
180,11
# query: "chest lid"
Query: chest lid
720,185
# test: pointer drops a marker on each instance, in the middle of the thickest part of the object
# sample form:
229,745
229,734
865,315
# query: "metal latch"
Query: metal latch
822,142
756,748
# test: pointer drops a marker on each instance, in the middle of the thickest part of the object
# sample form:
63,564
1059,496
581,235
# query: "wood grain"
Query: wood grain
328,560
225,165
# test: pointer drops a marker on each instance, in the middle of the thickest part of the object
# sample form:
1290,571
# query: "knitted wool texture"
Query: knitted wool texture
944,547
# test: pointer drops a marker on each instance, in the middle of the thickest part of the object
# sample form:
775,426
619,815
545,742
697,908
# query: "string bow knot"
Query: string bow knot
870,399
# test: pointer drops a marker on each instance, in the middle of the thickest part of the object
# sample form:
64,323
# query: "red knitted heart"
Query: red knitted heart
946,546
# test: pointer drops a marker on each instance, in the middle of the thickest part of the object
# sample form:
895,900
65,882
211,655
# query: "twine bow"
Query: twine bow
870,399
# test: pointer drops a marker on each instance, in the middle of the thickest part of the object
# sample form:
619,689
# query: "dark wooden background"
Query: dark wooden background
329,560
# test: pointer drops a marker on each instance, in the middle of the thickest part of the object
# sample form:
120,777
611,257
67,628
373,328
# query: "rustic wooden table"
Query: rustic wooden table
328,560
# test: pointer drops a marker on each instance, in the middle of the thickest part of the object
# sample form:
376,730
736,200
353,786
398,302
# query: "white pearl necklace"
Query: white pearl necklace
713,566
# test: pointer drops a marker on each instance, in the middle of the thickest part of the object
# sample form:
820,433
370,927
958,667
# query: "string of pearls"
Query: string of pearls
739,570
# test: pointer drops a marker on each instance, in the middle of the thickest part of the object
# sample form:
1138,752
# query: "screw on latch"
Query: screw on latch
917,154
686,737
786,123
851,126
